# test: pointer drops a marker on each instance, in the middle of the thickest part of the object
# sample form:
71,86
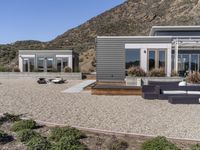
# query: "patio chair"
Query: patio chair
41,81
58,80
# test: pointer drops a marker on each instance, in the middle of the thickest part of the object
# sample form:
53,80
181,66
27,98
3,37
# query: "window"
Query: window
132,58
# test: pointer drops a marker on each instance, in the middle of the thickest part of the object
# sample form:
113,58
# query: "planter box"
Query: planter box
138,81
133,81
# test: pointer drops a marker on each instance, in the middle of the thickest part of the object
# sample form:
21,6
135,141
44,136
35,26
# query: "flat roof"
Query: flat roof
134,37
172,28
45,51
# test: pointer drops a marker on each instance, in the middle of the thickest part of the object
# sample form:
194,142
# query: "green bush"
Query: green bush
38,143
57,133
158,143
195,147
4,137
9,118
26,135
5,69
118,145
69,143
23,124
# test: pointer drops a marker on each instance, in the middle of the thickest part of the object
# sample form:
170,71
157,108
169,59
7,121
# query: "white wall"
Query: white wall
143,53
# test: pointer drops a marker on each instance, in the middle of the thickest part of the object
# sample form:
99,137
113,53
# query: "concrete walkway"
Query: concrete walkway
79,87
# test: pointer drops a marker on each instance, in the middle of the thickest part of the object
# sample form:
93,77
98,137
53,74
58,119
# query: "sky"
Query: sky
46,19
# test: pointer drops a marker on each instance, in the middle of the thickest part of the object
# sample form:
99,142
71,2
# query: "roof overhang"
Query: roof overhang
172,28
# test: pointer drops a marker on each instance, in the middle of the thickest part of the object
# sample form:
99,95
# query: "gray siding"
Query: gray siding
110,55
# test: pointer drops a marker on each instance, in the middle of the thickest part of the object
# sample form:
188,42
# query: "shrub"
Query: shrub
160,72
4,137
69,143
5,69
67,69
23,124
195,147
158,143
57,133
118,145
174,73
38,143
193,78
12,117
16,69
136,72
26,135
9,118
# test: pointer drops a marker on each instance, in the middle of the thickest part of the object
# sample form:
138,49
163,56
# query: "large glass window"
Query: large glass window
132,58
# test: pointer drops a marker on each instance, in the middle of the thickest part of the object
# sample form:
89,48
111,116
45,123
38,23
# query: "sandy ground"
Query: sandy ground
130,114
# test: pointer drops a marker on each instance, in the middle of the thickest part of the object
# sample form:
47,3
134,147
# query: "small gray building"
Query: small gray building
47,60
173,48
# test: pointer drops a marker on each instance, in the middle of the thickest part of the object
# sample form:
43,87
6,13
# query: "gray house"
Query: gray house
174,48
47,60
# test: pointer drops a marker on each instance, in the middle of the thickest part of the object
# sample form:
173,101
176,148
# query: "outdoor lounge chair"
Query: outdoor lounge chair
152,90
58,80
186,99
41,81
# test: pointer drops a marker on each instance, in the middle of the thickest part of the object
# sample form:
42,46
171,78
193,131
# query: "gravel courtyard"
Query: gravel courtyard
130,114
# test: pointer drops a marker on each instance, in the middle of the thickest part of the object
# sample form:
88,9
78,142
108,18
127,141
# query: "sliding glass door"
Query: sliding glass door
28,64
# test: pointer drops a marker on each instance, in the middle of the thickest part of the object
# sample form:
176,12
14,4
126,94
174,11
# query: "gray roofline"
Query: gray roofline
166,28
133,37
45,51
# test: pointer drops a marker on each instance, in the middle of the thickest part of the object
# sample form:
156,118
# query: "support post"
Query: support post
176,56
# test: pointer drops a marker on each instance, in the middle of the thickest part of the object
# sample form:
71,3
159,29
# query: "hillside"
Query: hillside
133,17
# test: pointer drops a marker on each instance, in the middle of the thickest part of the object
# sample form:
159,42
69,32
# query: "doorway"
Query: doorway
157,58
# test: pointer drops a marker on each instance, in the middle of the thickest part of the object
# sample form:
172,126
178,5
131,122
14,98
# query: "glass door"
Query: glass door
58,64
49,64
157,59
25,65
152,60
194,62
41,64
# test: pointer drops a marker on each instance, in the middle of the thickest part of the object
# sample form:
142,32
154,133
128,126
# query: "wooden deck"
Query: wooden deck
115,89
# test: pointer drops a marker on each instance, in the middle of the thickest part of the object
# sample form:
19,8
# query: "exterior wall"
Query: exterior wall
47,53
110,55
